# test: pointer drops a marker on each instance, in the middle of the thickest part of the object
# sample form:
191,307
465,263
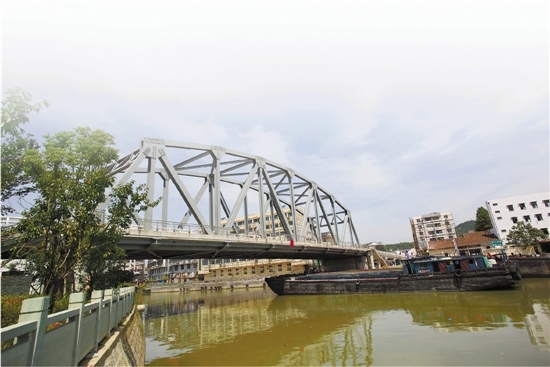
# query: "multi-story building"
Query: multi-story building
432,227
273,227
181,271
506,212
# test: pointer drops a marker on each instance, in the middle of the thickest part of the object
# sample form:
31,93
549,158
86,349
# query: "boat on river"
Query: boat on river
420,274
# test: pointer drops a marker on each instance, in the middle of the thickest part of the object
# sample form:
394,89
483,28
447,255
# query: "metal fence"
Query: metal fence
74,333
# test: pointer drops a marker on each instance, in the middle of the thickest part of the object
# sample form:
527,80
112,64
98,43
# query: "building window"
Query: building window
534,204
503,230
544,230
514,219
538,216
510,208
499,217
546,202
527,218
495,204
497,211
522,206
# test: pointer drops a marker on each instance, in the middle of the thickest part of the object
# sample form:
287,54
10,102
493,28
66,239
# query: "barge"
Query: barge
421,274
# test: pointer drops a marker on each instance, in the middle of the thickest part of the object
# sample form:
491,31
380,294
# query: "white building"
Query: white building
506,212
432,227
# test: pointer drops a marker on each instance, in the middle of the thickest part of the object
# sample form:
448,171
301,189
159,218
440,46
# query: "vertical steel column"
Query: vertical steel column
217,198
166,183
246,225
151,169
211,203
292,205
317,222
334,220
261,199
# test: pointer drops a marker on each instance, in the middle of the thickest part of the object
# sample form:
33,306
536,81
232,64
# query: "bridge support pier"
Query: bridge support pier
352,263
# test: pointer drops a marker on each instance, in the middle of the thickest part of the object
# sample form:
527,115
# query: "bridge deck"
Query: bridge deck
147,244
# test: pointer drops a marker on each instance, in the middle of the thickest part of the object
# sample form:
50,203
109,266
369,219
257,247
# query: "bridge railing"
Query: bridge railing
9,221
72,334
195,229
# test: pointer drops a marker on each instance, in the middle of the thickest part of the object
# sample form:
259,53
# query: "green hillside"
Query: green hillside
465,227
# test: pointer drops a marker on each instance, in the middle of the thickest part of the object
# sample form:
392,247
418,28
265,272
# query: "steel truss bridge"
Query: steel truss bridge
221,203
217,202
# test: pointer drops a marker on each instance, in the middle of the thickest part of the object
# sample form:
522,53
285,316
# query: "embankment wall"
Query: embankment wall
126,347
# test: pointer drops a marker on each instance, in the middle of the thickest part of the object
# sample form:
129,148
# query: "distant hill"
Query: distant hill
465,227
396,246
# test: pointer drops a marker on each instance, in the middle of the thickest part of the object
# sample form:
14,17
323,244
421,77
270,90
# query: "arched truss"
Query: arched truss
219,190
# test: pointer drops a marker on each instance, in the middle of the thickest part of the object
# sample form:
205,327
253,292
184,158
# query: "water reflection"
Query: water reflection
255,327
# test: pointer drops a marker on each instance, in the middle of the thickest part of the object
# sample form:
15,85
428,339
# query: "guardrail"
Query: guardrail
9,221
79,329
190,230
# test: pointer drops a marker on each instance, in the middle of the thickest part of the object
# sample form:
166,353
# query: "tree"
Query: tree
15,141
66,232
525,235
483,221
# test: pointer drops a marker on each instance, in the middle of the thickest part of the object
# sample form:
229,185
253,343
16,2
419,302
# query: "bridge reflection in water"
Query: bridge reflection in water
254,328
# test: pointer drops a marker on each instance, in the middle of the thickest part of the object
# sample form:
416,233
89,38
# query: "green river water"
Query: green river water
257,328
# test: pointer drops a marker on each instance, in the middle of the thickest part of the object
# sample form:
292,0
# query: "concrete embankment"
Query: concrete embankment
205,286
125,347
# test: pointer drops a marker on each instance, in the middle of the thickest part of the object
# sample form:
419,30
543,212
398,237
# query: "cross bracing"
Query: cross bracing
222,191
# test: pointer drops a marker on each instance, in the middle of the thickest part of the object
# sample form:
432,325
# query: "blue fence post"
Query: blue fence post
97,296
77,301
36,309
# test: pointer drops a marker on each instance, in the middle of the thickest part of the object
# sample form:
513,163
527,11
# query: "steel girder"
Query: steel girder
245,194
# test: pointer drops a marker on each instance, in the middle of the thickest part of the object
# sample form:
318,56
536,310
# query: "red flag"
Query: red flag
292,242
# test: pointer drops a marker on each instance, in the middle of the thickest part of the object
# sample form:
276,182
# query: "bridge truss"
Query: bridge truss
222,191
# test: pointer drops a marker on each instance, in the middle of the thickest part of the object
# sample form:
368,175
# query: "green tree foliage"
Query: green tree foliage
14,182
525,235
68,235
483,221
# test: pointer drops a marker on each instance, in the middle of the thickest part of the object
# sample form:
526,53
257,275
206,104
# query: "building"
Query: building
472,243
533,209
273,227
432,227
182,271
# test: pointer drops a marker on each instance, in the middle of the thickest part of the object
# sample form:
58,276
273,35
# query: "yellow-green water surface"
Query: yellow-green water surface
257,328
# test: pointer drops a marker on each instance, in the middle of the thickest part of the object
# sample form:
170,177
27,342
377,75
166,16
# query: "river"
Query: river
255,327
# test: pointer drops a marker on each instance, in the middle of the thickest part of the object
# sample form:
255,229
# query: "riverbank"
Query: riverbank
202,286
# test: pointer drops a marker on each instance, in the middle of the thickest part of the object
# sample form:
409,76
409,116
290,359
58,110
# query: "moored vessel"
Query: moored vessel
443,274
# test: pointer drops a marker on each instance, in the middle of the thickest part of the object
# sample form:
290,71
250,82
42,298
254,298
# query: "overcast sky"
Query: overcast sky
398,109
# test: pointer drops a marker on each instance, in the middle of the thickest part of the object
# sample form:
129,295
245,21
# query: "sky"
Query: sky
398,109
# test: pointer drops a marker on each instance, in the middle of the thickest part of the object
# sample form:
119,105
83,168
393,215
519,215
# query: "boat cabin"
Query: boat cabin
430,265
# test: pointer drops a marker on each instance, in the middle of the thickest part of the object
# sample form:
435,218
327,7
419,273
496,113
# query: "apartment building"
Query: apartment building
506,212
432,227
